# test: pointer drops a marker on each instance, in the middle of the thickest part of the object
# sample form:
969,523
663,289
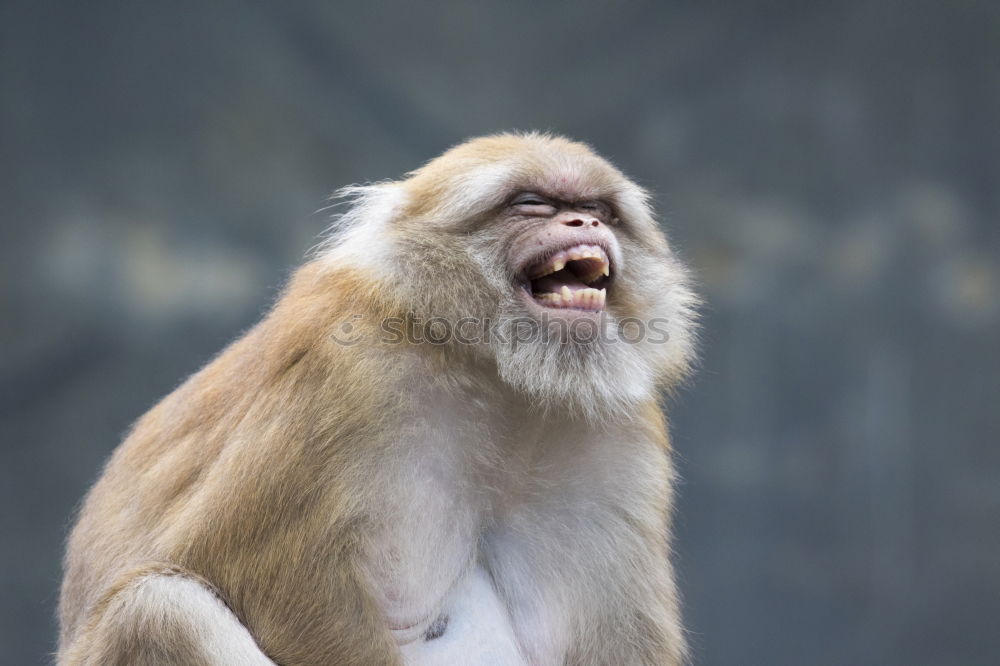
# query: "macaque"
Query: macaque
334,488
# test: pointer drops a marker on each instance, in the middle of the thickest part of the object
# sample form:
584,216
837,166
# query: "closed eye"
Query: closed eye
600,208
531,200
533,205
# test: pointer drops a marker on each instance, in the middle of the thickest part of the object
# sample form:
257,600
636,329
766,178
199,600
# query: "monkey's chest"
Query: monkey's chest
473,627
488,566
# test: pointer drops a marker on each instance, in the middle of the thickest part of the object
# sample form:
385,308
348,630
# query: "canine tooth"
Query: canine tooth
598,272
555,265
602,295
566,294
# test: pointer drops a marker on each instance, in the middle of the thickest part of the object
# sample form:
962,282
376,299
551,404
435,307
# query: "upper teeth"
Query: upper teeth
559,261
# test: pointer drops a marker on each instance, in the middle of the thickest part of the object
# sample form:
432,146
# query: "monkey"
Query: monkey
325,493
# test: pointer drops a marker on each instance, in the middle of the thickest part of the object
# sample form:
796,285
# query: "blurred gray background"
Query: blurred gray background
831,171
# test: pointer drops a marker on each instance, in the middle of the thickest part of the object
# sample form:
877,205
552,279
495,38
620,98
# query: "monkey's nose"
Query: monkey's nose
577,222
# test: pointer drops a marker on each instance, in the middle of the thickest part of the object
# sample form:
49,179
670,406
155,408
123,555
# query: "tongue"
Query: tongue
554,282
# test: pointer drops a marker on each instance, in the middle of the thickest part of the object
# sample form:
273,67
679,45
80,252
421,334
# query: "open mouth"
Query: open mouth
575,278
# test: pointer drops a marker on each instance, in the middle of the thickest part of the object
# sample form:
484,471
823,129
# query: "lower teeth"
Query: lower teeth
592,299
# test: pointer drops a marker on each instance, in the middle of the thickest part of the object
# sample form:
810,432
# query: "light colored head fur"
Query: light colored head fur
439,238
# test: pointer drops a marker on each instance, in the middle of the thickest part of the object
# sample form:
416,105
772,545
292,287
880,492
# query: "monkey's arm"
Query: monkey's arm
164,616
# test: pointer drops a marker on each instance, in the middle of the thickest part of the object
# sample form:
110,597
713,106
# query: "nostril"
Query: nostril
594,223
573,223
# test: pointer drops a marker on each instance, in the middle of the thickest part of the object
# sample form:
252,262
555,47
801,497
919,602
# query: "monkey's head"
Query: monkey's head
534,253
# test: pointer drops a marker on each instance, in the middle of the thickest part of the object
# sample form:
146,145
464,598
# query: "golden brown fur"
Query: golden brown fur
265,411
264,476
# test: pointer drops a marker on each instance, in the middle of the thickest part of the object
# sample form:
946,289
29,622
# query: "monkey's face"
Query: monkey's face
595,310
550,258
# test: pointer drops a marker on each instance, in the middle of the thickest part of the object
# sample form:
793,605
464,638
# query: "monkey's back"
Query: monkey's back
243,477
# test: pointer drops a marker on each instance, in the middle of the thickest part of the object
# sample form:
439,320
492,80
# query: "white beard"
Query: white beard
593,374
